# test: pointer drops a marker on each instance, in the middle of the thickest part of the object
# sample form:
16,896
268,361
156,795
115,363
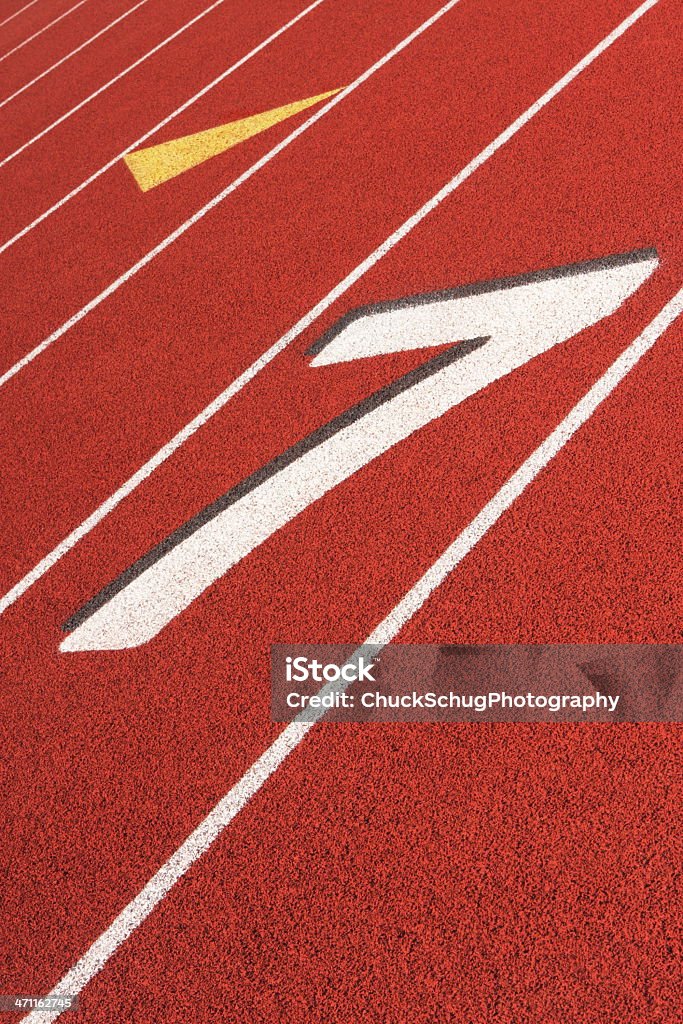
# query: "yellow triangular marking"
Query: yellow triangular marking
156,164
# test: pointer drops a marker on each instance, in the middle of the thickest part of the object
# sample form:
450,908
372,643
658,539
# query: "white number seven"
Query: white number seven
490,329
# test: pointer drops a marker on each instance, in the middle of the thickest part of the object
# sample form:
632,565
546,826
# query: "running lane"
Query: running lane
10,11
87,70
180,719
28,61
157,351
33,20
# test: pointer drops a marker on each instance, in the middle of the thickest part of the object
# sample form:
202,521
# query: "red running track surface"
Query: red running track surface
473,873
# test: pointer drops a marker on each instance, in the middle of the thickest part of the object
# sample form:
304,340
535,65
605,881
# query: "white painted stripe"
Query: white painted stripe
196,845
112,81
221,400
157,127
227,191
73,53
17,13
520,323
40,31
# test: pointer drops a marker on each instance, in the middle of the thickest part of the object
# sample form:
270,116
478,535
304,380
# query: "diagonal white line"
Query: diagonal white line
227,191
17,13
112,81
157,127
51,559
43,29
199,841
73,53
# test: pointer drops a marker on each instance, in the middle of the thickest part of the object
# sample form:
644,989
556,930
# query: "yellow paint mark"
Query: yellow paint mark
156,164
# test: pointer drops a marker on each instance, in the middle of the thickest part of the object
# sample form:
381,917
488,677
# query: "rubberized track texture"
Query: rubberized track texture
168,853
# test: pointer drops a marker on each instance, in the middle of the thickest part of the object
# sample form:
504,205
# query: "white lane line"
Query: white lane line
112,81
199,841
17,13
240,382
227,191
40,31
73,53
157,127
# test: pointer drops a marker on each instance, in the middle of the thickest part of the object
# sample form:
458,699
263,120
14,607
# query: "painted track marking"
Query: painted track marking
202,838
502,327
156,165
164,453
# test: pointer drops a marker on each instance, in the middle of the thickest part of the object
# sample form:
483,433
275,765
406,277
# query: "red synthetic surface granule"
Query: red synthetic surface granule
472,873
